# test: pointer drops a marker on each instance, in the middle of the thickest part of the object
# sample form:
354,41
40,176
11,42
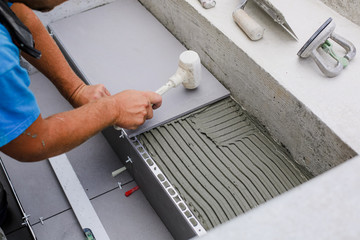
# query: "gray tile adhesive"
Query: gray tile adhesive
221,162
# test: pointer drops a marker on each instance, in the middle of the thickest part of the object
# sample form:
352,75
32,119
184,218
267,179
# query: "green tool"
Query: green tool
89,235
327,47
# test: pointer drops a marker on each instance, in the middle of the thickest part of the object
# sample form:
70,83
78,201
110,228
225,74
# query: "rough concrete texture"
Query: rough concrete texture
267,78
221,162
348,8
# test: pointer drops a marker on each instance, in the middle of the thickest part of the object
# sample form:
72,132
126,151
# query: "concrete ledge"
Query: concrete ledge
316,118
349,9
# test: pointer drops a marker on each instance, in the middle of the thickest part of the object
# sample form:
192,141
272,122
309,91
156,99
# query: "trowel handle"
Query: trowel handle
252,29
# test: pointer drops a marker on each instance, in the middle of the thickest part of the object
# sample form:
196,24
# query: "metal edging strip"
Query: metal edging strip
170,190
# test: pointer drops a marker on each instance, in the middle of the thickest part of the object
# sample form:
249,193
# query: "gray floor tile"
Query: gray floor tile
59,227
139,220
48,98
37,187
130,49
93,162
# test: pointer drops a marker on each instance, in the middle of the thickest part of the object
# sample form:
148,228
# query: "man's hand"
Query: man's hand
87,93
62,132
135,107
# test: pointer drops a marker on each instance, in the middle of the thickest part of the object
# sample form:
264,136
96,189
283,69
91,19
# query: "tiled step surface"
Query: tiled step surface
130,49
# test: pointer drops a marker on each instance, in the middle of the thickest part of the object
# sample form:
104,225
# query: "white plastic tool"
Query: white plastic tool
188,73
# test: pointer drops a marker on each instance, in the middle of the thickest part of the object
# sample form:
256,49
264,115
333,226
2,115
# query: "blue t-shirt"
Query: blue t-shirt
18,107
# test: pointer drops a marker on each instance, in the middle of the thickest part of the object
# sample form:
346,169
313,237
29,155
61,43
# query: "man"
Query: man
24,134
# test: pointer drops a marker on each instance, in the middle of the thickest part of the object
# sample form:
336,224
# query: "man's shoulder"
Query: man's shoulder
9,53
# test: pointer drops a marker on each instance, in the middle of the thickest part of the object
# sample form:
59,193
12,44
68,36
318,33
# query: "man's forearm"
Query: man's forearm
62,132
52,62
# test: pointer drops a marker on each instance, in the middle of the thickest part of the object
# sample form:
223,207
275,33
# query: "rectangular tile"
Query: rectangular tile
139,220
61,226
121,216
130,49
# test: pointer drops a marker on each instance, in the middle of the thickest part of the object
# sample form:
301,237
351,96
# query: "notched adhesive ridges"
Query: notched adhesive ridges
221,162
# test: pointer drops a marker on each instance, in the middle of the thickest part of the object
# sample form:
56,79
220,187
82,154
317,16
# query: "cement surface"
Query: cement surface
221,162
323,208
130,49
315,117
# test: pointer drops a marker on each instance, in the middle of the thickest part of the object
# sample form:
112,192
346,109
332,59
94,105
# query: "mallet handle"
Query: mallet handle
169,85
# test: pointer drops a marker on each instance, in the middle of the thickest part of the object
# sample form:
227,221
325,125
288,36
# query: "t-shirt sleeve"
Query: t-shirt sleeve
18,106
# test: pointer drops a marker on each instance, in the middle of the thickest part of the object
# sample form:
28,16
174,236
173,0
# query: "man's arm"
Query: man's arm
61,132
53,64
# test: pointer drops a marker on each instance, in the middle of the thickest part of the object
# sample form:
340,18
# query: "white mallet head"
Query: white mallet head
189,70
188,73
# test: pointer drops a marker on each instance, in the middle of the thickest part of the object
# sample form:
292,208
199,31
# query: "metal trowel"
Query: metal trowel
252,29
